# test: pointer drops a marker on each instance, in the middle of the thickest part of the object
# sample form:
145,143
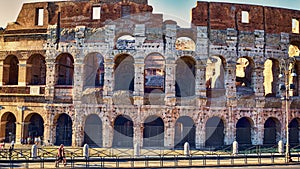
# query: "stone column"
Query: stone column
258,81
1,72
50,80
230,73
138,93
22,73
169,134
48,126
20,124
78,133
259,135
108,132
200,136
108,81
170,98
138,134
230,128
78,80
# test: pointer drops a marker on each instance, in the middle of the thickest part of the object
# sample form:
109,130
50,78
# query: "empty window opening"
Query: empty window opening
245,17
125,10
96,12
293,51
185,43
243,72
269,78
295,25
40,16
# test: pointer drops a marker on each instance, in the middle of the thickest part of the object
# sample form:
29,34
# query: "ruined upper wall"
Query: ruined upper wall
68,14
220,16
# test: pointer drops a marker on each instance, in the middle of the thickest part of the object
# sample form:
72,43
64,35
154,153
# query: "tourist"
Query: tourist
61,156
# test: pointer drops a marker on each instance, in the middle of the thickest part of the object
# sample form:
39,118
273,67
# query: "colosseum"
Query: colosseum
111,73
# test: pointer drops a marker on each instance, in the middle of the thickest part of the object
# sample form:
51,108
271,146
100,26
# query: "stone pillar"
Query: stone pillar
22,73
230,86
200,79
138,93
169,135
78,79
50,80
200,136
170,98
138,134
108,132
235,148
86,151
48,126
20,124
258,85
1,72
259,134
108,81
230,128
78,133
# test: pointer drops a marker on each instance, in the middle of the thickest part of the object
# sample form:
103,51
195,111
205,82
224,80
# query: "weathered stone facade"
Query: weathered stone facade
77,73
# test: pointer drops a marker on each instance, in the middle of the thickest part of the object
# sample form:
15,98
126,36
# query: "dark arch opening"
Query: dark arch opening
124,73
34,128
123,132
64,69
94,70
185,77
153,134
93,131
271,131
214,132
64,130
243,131
294,132
36,70
8,124
185,131
11,70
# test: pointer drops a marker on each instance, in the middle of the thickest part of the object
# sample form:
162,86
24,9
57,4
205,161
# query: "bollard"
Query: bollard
186,150
280,147
235,148
34,151
86,151
137,150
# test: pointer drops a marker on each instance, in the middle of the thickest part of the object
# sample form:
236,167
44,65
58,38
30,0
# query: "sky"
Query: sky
179,10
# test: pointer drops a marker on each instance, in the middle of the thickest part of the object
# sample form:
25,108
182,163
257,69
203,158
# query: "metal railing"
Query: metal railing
150,157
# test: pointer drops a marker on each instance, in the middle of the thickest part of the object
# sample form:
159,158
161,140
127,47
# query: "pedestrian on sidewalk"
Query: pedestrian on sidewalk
61,156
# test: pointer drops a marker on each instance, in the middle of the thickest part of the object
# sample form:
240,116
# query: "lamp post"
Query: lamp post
285,65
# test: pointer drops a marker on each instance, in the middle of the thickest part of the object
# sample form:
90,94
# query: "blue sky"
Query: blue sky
175,9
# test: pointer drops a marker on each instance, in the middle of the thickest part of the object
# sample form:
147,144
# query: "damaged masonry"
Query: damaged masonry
113,74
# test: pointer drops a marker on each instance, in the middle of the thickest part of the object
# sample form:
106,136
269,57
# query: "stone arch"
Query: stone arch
34,128
124,72
93,131
125,41
185,43
153,134
215,76
36,70
271,74
93,70
185,76
294,131
214,132
272,131
63,130
185,131
8,127
64,69
244,71
123,131
244,131
11,70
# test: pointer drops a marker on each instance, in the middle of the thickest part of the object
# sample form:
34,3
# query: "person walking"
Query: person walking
61,156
